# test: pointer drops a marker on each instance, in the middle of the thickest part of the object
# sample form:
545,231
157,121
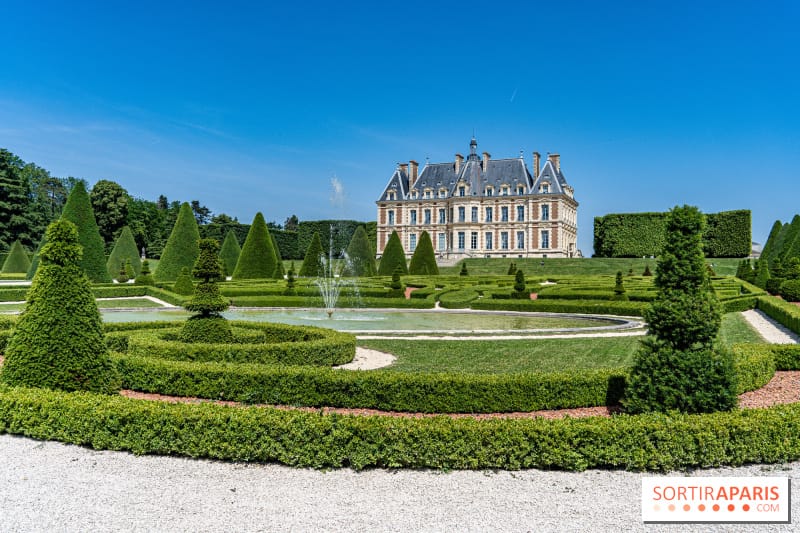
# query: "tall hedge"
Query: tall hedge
229,254
124,250
727,234
313,263
58,341
279,271
767,252
423,261
35,261
257,260
393,256
17,261
791,243
360,255
78,210
181,250
343,231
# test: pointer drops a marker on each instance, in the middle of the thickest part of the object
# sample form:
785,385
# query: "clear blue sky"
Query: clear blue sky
257,106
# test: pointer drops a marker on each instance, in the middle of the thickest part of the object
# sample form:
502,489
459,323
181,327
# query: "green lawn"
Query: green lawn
531,355
101,304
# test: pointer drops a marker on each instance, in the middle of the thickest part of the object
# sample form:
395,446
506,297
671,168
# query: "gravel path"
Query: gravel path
48,486
772,331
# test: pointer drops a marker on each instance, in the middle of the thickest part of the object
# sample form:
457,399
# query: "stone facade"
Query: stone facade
481,207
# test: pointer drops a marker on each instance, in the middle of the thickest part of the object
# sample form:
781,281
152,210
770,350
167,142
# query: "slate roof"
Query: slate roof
550,175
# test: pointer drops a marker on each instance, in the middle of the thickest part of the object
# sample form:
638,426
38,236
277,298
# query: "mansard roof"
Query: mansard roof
552,176
398,182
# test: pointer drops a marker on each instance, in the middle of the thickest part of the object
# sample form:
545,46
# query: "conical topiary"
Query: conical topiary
17,261
122,276
124,250
520,291
58,342
145,277
464,271
206,325
396,289
360,257
184,285
229,253
290,283
257,260
279,272
78,210
423,262
35,261
181,250
313,263
393,256
619,288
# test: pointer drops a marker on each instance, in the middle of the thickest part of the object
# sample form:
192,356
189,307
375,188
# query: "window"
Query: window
390,214
474,214
504,240
427,214
462,214
545,212
391,195
473,240
504,213
427,193
489,191
442,193
520,189
488,239
520,213
504,191
442,241
520,240
488,214
442,216
414,194
545,239
412,242
460,240
544,188
462,190
413,217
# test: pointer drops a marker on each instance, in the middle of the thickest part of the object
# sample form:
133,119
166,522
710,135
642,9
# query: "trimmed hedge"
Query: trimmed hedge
181,250
16,261
393,257
78,210
278,300
423,261
313,263
597,307
258,259
124,250
728,234
785,313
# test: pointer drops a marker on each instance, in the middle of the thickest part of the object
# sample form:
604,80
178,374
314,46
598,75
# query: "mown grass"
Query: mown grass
101,304
736,329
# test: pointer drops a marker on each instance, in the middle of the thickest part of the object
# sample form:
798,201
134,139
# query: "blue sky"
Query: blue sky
258,106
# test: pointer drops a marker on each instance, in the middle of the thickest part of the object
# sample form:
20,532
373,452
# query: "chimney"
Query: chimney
403,167
555,159
536,157
459,162
412,175
486,158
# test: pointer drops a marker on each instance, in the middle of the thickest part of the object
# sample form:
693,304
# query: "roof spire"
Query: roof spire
473,149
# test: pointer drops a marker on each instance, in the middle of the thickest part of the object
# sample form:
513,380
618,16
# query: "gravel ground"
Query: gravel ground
772,331
48,486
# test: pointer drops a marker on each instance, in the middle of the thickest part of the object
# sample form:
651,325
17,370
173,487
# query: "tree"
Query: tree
145,277
110,203
313,263
520,292
48,196
184,284
122,276
291,223
396,289
15,220
124,250
257,260
360,259
464,271
393,256
201,212
290,282
423,261
207,325
17,261
681,368
230,253
619,287
762,274
279,272
647,271
58,341
512,269
78,210
181,250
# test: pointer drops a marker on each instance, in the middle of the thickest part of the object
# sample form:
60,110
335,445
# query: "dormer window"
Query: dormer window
391,195
520,190
427,194
504,190
544,188
442,193
414,194
489,191
462,190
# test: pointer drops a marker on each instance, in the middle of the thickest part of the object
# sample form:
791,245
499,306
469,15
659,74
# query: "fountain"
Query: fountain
331,282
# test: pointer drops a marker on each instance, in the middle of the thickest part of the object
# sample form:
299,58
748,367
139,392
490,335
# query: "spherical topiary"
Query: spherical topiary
230,251
78,210
257,260
124,250
145,277
313,264
184,285
423,261
393,256
58,341
360,256
181,250
207,302
17,261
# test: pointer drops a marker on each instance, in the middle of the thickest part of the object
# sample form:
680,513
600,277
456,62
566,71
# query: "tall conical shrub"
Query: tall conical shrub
393,256
423,262
770,246
360,257
313,265
35,261
145,277
681,368
279,271
257,260
230,252
58,342
17,261
181,250
78,210
124,250
207,325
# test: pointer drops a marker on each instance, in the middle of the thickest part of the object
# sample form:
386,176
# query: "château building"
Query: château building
481,207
